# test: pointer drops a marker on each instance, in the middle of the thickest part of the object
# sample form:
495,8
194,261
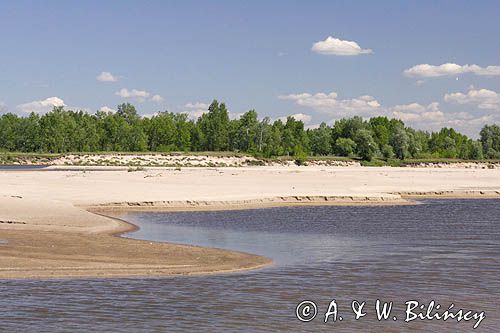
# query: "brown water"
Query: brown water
447,251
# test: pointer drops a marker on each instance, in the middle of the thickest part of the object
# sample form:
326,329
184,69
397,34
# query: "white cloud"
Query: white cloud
197,105
482,98
329,104
335,46
140,95
106,109
150,115
431,118
415,112
134,93
2,107
235,115
428,117
450,69
305,118
196,109
312,126
157,98
41,106
106,77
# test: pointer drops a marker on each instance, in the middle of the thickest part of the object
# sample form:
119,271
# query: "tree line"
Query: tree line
62,131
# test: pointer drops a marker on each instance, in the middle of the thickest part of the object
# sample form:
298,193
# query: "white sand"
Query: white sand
45,193
45,204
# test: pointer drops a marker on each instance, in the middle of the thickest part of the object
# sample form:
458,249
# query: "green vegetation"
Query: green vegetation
377,140
135,169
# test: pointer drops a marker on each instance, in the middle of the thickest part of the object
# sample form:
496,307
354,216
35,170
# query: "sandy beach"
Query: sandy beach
51,222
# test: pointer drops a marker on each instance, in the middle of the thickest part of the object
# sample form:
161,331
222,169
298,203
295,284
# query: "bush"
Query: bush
299,155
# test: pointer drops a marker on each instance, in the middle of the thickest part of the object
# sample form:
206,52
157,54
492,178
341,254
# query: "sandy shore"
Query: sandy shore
47,228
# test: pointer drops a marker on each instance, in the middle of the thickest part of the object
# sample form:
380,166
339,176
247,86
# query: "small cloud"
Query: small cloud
140,95
41,106
196,109
335,46
305,118
106,77
157,98
150,115
281,54
312,126
134,93
450,69
197,105
106,109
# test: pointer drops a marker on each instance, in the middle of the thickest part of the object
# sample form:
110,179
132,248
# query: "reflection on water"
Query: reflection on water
448,251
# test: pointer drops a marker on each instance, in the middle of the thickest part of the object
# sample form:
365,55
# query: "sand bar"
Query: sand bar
49,228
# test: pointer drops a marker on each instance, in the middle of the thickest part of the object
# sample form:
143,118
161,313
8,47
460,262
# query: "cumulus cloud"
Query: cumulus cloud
482,98
106,77
41,106
196,109
125,93
421,116
150,115
450,69
329,103
335,46
157,98
305,118
431,118
197,105
140,95
415,112
107,109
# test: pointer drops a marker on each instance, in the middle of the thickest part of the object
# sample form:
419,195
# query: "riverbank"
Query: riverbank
222,159
48,229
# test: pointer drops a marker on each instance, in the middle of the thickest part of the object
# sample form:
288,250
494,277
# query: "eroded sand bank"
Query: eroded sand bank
46,219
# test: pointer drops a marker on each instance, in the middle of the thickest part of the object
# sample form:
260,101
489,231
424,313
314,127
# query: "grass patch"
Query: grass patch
135,169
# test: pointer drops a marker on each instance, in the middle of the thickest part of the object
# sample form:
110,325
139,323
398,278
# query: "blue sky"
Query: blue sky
179,55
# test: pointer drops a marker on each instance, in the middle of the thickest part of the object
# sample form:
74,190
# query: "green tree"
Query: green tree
399,142
490,140
366,147
128,112
246,132
294,135
387,151
381,128
476,151
344,147
162,132
8,133
214,127
348,128
320,140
